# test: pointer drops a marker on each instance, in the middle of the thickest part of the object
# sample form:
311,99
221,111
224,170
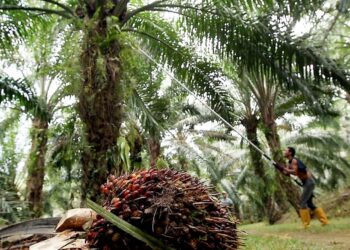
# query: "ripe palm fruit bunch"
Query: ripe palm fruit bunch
170,205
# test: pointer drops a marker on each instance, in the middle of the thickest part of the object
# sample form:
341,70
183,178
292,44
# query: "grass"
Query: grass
336,225
291,236
271,242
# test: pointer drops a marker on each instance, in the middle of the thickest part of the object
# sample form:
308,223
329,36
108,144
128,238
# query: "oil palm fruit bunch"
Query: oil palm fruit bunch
171,205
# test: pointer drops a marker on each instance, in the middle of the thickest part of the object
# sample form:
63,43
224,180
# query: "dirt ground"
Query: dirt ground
329,240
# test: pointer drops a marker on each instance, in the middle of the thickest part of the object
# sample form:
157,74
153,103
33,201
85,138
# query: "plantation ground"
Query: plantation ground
291,236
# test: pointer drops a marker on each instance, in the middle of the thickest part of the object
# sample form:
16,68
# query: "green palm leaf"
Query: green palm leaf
9,121
199,74
260,44
19,90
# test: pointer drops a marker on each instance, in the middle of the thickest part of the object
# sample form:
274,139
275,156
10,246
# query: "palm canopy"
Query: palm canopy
39,59
264,43
253,36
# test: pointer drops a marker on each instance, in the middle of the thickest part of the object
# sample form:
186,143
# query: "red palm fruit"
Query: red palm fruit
149,193
114,200
111,178
142,189
147,176
105,190
124,183
109,185
102,187
154,175
126,192
128,196
135,187
135,194
117,205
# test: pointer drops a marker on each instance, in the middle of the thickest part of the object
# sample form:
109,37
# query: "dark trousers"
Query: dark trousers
307,195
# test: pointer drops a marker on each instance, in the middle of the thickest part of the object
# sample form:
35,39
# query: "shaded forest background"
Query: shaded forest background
90,88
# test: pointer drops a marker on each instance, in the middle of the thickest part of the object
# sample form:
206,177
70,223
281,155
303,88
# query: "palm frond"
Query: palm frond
146,117
8,123
291,8
299,104
17,23
20,91
65,144
320,140
67,90
260,44
214,135
48,7
199,74
194,120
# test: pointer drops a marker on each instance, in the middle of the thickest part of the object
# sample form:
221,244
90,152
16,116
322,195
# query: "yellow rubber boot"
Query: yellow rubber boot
321,216
305,217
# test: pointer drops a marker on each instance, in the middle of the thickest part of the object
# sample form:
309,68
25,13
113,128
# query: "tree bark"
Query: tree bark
36,165
271,209
135,141
289,189
154,150
100,104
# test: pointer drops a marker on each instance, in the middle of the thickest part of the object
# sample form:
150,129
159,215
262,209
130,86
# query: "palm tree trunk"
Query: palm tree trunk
100,105
135,141
154,150
36,165
271,209
273,140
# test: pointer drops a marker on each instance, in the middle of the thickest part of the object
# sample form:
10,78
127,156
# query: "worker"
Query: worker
297,167
226,201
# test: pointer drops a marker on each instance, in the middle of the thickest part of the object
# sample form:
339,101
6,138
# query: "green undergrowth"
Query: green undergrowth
254,242
288,236
336,225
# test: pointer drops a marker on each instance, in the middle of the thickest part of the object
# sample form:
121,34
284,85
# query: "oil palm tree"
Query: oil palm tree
12,208
273,103
272,197
40,116
30,104
39,97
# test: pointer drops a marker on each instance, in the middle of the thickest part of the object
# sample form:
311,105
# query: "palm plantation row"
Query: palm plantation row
97,105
